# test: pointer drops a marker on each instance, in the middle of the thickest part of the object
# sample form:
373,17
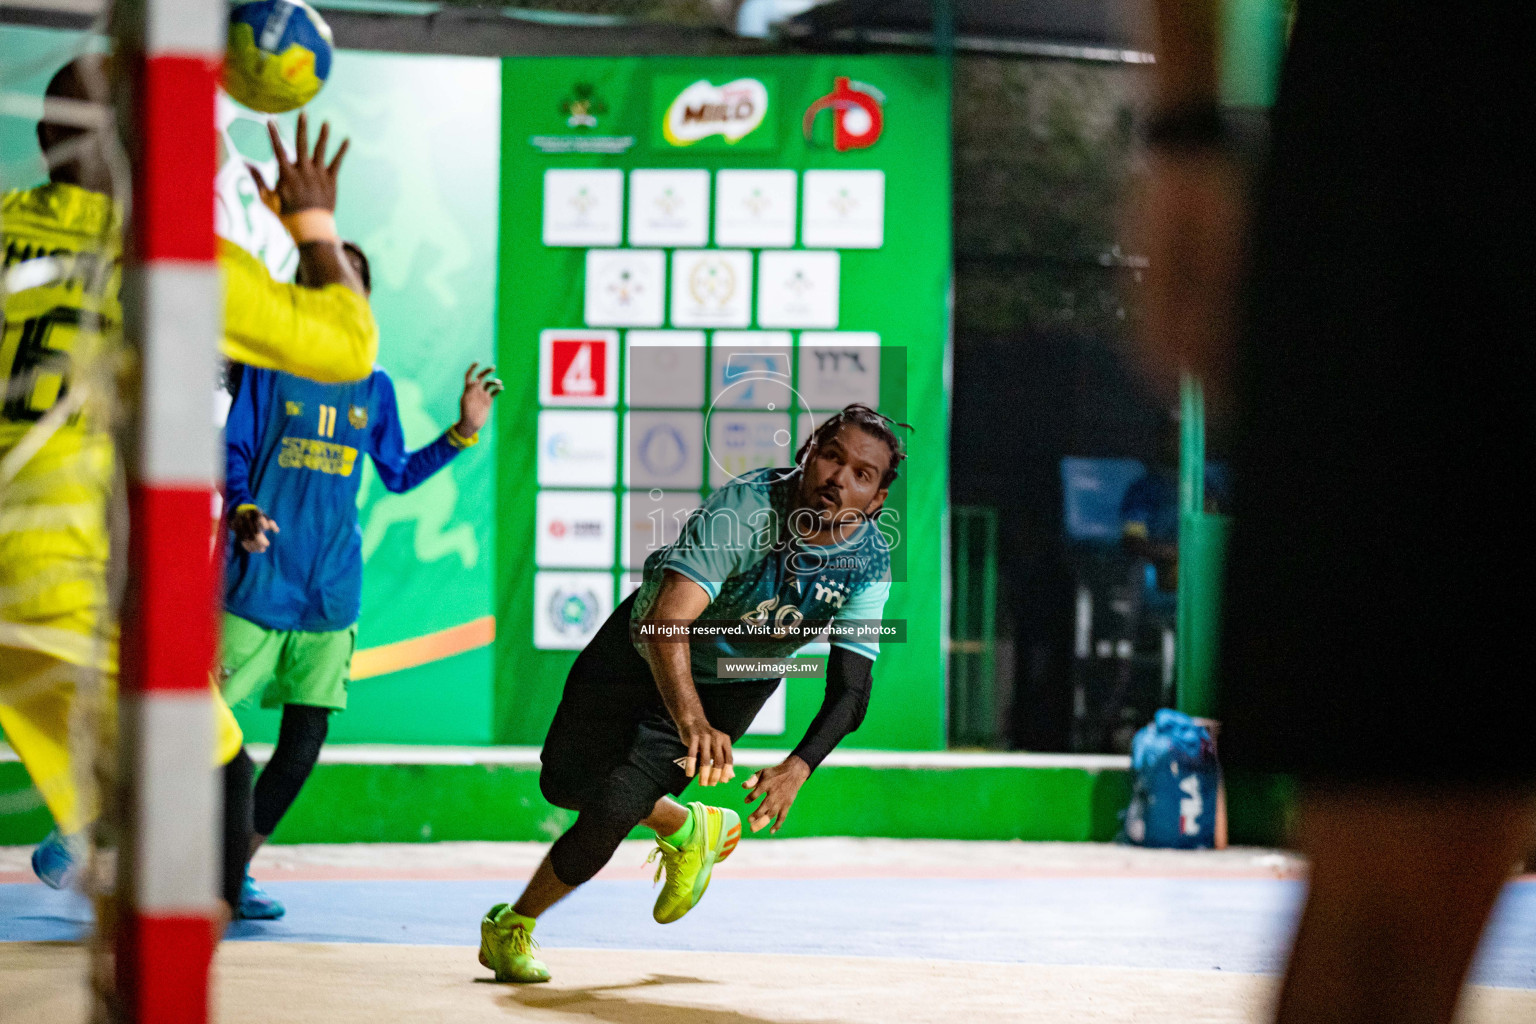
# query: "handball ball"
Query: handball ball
279,54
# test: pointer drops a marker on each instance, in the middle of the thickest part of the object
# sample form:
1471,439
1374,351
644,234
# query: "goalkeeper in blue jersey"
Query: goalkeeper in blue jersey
645,710
293,574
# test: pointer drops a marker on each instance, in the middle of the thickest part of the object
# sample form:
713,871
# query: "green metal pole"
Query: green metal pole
1192,698
961,674
944,28
1191,446
988,681
1252,45
960,660
1202,552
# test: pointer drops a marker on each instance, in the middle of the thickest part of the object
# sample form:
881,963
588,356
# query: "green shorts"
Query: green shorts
288,666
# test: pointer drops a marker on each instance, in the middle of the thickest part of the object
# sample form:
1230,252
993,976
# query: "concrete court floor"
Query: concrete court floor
813,931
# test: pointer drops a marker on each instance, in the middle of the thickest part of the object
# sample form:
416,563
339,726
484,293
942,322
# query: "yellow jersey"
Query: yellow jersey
62,261
62,246
63,271
326,334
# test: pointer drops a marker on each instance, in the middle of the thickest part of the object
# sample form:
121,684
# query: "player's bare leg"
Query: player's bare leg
506,932
1401,886
545,889
667,817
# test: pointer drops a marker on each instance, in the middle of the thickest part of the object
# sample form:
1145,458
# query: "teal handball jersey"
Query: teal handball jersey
739,549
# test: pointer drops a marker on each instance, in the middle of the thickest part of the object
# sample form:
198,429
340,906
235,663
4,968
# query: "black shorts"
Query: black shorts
611,713
1378,602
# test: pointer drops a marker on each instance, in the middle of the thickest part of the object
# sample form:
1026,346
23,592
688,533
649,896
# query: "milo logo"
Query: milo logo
733,110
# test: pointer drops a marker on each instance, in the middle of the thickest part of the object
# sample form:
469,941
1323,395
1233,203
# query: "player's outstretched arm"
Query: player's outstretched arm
849,682
480,390
305,196
680,602
324,330
325,334
401,470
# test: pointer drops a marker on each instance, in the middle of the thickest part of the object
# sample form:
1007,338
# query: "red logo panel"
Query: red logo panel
579,368
858,116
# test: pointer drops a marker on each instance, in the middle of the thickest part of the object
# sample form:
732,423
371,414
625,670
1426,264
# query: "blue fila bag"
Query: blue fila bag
1174,780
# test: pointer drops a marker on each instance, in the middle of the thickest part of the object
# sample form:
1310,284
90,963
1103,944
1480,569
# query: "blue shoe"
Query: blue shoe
257,905
57,860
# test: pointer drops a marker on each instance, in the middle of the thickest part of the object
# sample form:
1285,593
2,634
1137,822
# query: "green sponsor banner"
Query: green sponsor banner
700,260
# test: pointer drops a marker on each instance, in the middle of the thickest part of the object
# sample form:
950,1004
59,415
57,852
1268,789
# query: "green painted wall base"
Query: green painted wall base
23,818
409,803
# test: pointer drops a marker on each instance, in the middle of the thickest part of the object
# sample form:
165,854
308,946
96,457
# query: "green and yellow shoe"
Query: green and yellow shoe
506,946
716,831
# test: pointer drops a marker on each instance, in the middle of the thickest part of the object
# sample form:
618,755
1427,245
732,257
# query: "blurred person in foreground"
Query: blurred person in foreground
62,245
1370,336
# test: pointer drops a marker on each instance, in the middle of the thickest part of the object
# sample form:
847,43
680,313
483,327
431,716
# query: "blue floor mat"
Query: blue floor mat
1199,924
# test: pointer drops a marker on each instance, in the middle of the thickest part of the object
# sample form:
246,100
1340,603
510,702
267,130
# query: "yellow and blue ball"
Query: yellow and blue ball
279,54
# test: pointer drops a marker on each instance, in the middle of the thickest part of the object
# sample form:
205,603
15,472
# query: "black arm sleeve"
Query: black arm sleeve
849,681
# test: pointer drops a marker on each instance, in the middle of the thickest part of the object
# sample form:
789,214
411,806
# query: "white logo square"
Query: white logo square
844,210
569,608
578,367
669,208
839,368
577,448
755,209
575,530
666,369
583,207
625,288
751,370
798,289
711,288
652,520
743,441
664,449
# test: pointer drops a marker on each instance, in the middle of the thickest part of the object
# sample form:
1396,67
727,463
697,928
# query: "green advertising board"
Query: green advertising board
449,156
700,260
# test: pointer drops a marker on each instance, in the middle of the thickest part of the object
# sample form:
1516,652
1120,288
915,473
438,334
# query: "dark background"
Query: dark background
1043,153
